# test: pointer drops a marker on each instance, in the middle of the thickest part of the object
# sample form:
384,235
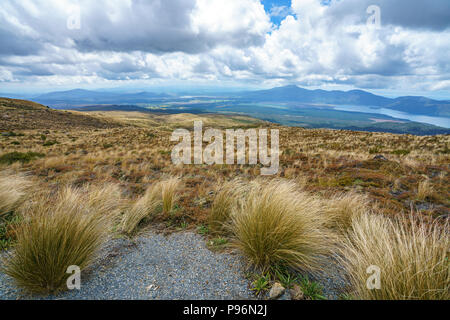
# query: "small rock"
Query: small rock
380,157
396,192
276,291
286,296
297,293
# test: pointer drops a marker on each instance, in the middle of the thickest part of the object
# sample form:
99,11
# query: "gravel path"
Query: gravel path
174,267
155,267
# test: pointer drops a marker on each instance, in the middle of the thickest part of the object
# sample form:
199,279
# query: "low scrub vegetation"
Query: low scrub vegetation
345,177
12,157
412,257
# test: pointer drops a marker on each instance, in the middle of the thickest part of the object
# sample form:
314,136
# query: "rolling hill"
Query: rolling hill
412,104
79,97
25,115
288,94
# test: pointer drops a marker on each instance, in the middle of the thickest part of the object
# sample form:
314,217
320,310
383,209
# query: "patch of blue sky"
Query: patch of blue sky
277,9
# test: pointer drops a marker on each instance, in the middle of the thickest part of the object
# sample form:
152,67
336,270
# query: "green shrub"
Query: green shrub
12,157
12,134
401,152
49,143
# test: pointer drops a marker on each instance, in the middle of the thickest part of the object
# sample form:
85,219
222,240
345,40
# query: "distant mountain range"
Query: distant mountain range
79,97
288,94
415,105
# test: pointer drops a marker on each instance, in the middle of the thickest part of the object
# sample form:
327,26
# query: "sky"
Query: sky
389,47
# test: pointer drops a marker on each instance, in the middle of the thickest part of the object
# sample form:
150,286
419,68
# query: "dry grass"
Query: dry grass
57,232
136,153
277,225
143,208
225,201
168,193
105,199
328,161
13,189
425,190
163,193
31,115
412,257
342,208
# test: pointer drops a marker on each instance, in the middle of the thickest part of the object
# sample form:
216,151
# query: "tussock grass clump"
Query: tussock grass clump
105,199
226,199
342,208
425,190
163,195
141,209
13,189
278,225
58,231
412,257
168,193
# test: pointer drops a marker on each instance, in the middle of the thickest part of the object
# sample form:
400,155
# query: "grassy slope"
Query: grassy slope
137,152
134,154
21,114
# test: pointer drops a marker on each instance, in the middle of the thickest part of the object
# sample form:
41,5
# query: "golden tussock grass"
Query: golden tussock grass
342,208
278,225
321,161
143,208
13,189
162,194
425,189
59,231
412,257
169,189
225,201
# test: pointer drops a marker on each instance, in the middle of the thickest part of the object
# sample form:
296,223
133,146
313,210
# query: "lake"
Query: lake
437,121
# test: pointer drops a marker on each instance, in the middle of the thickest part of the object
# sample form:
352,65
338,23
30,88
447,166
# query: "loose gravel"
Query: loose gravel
178,266
158,267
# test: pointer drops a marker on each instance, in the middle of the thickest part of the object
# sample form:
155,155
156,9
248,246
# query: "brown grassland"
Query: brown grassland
345,174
